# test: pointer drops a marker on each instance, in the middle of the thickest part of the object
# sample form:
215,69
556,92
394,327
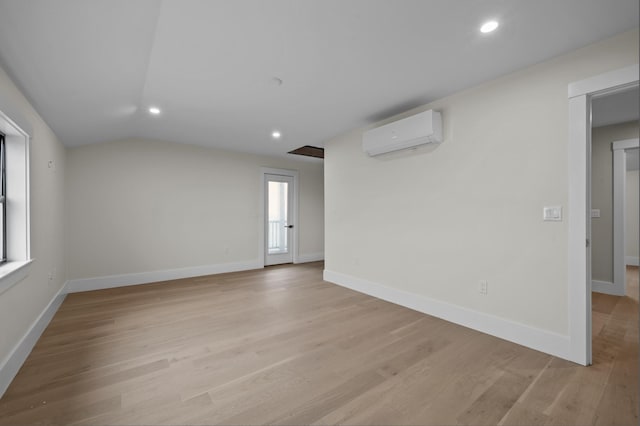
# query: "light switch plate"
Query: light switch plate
595,212
552,213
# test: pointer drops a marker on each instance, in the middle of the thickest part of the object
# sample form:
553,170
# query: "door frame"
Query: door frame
619,194
580,94
262,217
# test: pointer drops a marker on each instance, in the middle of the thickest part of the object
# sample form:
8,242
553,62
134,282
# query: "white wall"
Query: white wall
602,195
435,221
632,216
142,206
21,304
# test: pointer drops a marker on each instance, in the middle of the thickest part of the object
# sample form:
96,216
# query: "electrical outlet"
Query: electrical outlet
483,287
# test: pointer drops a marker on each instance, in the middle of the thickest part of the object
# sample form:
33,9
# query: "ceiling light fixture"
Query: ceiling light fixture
276,134
489,26
154,110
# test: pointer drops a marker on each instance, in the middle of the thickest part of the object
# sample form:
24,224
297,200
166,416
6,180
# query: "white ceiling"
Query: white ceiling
92,68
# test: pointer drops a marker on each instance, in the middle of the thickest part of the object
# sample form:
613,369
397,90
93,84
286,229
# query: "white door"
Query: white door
279,228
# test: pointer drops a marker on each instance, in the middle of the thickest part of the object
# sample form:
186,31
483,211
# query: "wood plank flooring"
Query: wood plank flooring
280,346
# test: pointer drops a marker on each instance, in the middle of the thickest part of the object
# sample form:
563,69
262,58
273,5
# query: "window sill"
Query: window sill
12,273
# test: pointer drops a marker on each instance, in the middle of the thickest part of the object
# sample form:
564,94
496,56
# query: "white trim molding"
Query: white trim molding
11,273
625,144
12,363
262,210
310,257
18,191
531,337
606,287
580,94
619,211
632,261
579,252
112,281
615,79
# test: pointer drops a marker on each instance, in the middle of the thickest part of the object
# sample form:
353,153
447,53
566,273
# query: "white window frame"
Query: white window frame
3,198
18,218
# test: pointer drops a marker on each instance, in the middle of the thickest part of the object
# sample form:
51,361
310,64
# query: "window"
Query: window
3,200
15,255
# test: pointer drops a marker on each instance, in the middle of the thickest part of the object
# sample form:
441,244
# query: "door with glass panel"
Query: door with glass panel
278,228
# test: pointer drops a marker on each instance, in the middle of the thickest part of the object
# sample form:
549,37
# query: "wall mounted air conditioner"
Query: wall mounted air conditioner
409,132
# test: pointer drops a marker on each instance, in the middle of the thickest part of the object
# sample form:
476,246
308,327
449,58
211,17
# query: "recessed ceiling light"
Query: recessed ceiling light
154,110
487,27
276,134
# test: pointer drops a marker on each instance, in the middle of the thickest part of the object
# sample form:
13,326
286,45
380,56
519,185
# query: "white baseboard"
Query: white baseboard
12,363
112,281
606,288
534,338
632,261
310,257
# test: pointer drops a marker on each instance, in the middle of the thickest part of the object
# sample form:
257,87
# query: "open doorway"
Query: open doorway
614,136
580,94
614,199
631,207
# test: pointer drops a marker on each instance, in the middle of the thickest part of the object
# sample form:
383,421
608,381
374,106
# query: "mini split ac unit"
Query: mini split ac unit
409,132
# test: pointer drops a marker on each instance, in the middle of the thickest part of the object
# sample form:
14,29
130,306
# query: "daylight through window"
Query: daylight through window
3,200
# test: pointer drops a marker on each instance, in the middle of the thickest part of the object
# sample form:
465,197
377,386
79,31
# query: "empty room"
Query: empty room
289,212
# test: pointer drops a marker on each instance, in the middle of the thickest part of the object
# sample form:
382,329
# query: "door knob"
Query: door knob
288,226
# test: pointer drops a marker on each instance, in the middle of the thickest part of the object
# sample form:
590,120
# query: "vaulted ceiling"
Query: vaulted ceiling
228,73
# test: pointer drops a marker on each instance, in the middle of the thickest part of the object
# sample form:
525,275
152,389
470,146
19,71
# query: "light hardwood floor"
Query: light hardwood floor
280,346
